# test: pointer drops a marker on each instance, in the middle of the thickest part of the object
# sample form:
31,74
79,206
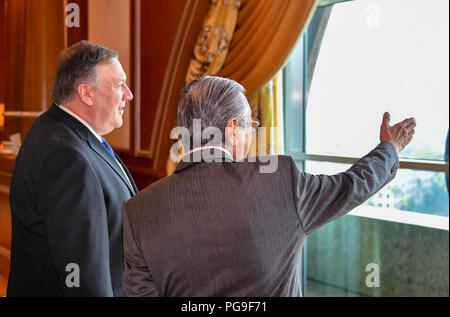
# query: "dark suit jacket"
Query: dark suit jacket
66,197
226,229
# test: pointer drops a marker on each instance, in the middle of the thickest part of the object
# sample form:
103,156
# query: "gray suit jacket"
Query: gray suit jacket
225,229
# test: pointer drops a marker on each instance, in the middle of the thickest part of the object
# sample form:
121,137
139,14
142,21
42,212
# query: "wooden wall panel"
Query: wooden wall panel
14,54
5,216
34,37
6,167
5,237
159,28
76,34
44,40
2,64
2,50
110,26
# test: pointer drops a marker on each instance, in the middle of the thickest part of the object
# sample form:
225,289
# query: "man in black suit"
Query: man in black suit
223,225
68,186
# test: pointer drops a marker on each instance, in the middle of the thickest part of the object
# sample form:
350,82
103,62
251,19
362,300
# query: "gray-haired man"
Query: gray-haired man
226,229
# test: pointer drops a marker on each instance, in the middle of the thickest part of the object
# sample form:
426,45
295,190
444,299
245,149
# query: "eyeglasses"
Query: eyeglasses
255,124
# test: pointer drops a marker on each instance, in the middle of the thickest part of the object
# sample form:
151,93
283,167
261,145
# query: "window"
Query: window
377,56
370,62
356,60
411,190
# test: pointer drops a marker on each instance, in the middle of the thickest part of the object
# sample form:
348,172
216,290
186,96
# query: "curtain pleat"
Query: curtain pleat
245,48
266,32
249,40
214,39
267,107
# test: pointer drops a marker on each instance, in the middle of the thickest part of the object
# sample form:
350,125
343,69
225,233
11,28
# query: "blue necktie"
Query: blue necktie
110,150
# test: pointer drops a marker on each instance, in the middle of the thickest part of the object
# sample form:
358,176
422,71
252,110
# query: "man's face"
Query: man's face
243,134
247,133
110,96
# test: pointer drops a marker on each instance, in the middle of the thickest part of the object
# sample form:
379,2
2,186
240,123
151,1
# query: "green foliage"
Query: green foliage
408,203
395,190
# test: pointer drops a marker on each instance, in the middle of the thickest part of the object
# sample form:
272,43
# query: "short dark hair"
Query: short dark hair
77,64
213,100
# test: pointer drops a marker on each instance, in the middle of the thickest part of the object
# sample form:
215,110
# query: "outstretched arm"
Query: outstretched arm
320,199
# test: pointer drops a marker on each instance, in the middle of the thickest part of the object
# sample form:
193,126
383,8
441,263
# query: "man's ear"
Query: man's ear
86,94
233,123
230,131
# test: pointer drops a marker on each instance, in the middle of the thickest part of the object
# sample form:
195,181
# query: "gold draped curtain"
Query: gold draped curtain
265,34
214,39
248,40
267,107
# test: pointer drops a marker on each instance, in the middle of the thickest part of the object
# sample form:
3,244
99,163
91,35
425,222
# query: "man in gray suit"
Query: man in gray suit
219,226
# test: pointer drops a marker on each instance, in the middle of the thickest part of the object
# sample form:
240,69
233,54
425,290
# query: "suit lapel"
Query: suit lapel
84,133
104,154
135,190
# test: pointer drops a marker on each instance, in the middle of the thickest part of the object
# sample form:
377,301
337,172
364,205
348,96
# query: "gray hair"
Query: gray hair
213,100
78,64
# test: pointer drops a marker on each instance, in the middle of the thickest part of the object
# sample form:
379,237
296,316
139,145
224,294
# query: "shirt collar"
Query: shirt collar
188,160
209,147
87,125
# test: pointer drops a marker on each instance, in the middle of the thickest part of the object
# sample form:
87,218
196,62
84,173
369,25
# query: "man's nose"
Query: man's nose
128,95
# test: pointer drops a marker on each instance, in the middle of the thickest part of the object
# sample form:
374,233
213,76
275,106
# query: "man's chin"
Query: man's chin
119,122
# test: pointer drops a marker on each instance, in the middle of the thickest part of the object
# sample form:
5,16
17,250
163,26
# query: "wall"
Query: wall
110,25
6,164
31,37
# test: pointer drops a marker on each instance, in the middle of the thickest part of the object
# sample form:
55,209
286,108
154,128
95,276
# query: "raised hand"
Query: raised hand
399,134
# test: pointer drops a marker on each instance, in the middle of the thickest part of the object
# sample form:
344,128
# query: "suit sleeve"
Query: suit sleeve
71,198
137,280
320,199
